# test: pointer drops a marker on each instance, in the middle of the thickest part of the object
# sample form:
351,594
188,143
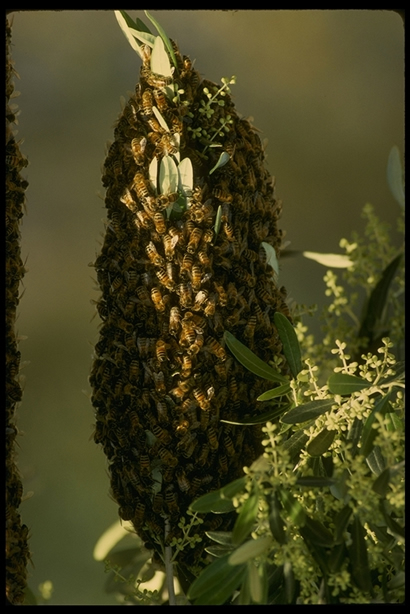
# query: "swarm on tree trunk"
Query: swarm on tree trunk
177,268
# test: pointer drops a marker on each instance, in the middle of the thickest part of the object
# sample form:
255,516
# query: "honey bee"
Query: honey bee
196,277
185,295
249,330
138,149
158,81
200,299
147,102
141,186
203,454
159,223
128,200
187,262
157,299
210,306
228,443
187,336
168,144
182,480
208,236
134,370
187,444
223,464
169,246
201,399
139,515
228,230
143,220
188,406
166,457
143,295
177,392
155,126
216,348
244,276
159,382
186,366
221,371
171,501
222,295
222,194
164,200
194,240
158,503
155,258
165,279
160,99
174,320
204,420
182,428
195,347
203,213
145,465
161,434
204,259
212,437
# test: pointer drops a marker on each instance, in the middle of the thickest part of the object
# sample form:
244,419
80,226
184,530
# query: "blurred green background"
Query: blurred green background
326,88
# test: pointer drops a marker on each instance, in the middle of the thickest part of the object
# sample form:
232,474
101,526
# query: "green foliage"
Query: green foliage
321,513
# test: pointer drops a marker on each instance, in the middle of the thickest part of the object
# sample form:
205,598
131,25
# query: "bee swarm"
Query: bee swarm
172,281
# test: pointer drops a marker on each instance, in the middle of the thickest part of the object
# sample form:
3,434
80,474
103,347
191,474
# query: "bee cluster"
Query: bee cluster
172,281
17,552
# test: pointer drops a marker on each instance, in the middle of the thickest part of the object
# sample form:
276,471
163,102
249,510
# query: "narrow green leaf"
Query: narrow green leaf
310,481
341,523
276,523
168,175
335,261
321,443
220,537
250,549
186,176
307,411
219,550
123,21
218,219
271,257
291,347
164,38
289,578
295,442
216,583
232,489
279,391
369,433
268,416
212,502
344,384
258,581
381,483
293,507
376,461
316,532
160,64
336,557
223,159
377,300
246,519
395,177
153,173
358,557
160,118
145,37
249,360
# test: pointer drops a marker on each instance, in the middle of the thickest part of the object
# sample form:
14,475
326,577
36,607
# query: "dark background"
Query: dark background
326,88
